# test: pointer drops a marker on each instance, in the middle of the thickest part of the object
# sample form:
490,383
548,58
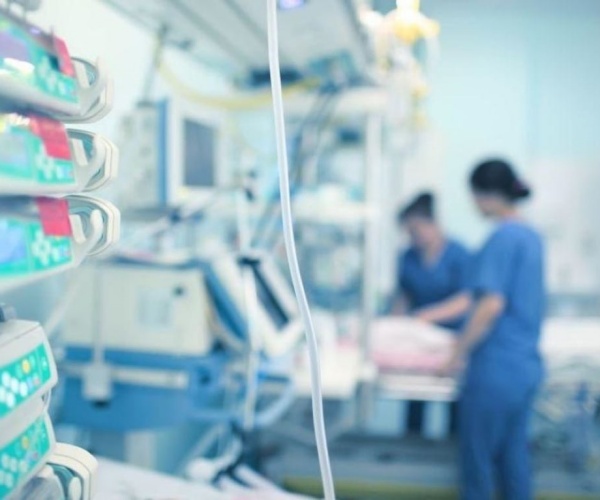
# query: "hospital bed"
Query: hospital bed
405,353
407,370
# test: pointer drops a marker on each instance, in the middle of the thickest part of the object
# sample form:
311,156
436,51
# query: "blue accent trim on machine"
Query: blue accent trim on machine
162,108
136,406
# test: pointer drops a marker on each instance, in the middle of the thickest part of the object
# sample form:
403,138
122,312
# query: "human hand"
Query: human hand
454,364
423,315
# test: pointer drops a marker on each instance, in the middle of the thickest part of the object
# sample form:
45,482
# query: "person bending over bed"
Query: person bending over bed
433,272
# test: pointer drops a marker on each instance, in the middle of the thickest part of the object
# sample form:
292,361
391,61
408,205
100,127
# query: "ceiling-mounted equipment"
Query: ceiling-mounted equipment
230,35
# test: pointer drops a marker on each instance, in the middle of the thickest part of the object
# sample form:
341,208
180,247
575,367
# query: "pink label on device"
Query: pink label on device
53,135
64,58
54,216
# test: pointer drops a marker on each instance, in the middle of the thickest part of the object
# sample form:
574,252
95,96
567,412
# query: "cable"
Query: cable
229,103
303,156
318,113
251,306
290,246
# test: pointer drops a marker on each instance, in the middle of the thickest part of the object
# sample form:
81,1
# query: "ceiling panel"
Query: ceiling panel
566,7
233,32
319,29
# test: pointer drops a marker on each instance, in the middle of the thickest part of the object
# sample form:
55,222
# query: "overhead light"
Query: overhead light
371,19
291,4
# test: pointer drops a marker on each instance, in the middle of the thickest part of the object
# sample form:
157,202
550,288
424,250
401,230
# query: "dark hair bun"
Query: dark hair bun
521,191
425,199
423,205
498,177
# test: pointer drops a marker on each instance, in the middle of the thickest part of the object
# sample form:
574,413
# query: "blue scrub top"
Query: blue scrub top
511,264
426,284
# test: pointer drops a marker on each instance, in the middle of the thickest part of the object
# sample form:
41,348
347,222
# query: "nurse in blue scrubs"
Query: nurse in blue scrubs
432,286
500,343
433,271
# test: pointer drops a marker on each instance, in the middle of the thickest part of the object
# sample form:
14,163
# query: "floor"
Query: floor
410,468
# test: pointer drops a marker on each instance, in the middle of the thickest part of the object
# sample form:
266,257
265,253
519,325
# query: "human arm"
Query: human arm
489,287
487,310
457,304
401,305
447,310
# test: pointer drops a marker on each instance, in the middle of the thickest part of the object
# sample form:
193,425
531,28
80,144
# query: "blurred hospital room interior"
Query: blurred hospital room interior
299,249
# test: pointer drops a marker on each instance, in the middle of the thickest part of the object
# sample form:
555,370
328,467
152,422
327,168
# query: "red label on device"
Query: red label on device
54,136
54,216
64,58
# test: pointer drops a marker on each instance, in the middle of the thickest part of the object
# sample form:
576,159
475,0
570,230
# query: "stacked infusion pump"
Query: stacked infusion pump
47,226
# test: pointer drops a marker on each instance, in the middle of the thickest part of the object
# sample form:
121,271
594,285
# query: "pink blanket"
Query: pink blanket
407,345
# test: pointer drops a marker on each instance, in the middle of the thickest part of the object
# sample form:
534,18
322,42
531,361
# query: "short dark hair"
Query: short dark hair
496,176
423,205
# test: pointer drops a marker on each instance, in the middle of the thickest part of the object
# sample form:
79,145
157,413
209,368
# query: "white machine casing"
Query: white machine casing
275,342
141,308
140,132
82,464
178,113
154,140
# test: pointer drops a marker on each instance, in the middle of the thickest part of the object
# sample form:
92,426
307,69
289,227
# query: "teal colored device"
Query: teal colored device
35,150
27,367
37,242
24,448
27,374
30,66
27,250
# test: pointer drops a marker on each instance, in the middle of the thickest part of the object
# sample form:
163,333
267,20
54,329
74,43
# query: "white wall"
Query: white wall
515,78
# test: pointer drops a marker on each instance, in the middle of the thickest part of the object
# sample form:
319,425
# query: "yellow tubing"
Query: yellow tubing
239,103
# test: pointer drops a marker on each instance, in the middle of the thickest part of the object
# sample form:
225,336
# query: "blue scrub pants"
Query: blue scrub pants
494,412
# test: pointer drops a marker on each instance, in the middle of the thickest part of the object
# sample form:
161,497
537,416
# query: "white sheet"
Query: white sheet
118,481
404,343
564,338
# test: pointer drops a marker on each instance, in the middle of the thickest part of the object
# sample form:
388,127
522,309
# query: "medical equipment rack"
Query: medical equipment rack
46,227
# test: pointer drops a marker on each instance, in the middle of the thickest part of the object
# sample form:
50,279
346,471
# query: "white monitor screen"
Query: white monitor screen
200,152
